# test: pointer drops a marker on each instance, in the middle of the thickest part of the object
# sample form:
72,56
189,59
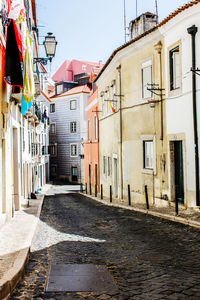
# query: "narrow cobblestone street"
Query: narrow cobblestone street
149,258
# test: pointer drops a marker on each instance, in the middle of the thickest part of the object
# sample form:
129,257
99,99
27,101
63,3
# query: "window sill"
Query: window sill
148,171
175,92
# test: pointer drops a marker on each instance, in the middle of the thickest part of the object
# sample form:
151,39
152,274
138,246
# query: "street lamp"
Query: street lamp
50,45
50,48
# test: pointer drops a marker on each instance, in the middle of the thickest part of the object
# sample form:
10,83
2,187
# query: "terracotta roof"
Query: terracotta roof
75,90
172,15
177,11
122,47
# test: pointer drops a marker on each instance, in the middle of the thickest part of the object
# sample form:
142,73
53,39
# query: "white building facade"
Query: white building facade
180,102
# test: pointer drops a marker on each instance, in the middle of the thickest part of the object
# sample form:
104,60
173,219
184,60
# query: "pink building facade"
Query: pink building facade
69,69
91,145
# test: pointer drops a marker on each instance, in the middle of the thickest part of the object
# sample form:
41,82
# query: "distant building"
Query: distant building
73,73
67,134
68,120
91,145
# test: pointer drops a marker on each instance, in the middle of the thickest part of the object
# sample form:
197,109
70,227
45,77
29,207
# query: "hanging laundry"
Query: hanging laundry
5,11
17,11
29,86
13,56
25,106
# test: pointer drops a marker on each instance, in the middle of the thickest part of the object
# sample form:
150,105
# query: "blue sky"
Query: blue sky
91,29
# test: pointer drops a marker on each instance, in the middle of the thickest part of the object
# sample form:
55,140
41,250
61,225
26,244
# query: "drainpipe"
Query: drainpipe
193,30
120,128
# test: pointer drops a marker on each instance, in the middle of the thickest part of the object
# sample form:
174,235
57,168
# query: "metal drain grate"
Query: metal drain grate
80,278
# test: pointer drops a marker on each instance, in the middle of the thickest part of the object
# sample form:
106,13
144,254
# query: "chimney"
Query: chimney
141,24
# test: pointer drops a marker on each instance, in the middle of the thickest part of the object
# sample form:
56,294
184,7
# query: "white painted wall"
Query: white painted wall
179,108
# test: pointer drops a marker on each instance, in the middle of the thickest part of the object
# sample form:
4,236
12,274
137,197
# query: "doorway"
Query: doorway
178,171
15,169
115,177
74,174
96,174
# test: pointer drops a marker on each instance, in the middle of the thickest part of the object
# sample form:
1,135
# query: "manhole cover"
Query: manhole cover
79,278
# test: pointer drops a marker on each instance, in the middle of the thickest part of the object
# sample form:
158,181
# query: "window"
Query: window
104,165
88,130
53,169
52,128
114,103
73,127
146,79
53,150
73,104
59,89
109,166
95,128
52,108
107,94
174,57
73,150
148,154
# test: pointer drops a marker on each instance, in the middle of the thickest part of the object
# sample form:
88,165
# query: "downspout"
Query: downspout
193,30
120,129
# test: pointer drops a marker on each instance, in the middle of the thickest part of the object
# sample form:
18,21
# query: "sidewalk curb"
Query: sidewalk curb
176,219
14,275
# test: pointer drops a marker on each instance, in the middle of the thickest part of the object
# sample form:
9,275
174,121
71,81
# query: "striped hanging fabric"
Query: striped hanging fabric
29,86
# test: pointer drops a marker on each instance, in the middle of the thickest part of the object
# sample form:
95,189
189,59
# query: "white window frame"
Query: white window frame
95,128
72,123
52,133
151,168
109,166
52,105
145,93
104,164
89,131
53,153
73,101
175,68
71,154
114,97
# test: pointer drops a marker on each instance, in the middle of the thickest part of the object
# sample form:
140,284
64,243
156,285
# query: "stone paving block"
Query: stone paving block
129,251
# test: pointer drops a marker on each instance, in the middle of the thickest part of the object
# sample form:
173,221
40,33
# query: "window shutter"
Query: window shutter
146,80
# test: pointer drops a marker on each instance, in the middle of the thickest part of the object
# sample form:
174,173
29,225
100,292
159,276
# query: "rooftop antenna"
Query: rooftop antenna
156,3
125,20
136,12
125,27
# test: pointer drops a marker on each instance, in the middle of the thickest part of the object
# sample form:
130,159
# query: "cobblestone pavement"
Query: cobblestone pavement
148,257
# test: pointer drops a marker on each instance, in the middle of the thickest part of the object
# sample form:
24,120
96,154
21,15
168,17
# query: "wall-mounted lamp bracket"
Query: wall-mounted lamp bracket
118,95
43,60
110,100
154,88
196,71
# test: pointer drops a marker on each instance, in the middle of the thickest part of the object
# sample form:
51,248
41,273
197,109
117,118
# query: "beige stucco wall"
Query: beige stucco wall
139,122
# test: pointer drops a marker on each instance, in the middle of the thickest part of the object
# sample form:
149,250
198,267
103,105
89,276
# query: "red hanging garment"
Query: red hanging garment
13,57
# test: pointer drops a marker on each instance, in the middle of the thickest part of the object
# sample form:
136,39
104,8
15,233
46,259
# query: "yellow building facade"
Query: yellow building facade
132,124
